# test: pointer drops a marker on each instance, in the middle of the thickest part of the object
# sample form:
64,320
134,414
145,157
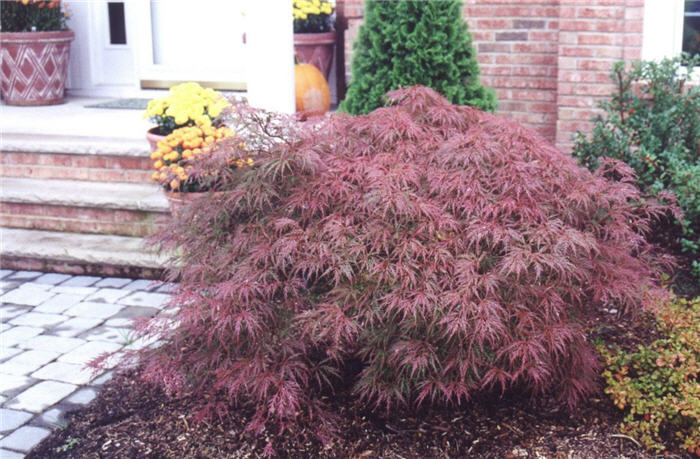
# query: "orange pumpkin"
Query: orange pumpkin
313,97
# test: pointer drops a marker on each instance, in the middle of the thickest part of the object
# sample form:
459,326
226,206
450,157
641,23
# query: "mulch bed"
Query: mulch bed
130,419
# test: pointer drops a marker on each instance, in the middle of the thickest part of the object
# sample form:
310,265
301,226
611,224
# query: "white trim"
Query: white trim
270,55
663,29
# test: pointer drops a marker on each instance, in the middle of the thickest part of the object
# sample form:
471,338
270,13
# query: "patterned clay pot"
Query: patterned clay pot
34,66
316,49
154,138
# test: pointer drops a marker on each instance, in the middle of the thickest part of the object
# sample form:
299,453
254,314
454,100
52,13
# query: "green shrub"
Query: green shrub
652,122
658,385
404,43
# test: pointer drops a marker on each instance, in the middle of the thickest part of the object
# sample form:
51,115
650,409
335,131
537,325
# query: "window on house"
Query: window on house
117,23
691,27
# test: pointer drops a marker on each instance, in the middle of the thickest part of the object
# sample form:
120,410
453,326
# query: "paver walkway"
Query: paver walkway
51,326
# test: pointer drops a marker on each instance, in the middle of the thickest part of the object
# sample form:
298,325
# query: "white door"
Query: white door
184,40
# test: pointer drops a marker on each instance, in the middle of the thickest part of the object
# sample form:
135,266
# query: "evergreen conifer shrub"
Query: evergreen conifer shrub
409,42
419,254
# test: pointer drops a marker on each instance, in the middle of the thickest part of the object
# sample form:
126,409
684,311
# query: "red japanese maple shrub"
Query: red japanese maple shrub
438,249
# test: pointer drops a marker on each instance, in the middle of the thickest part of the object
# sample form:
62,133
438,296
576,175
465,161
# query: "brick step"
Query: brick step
81,207
75,158
75,253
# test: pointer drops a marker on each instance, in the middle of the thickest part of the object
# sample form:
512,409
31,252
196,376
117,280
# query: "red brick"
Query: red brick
531,70
498,70
589,64
577,25
608,52
494,24
576,101
526,83
528,24
567,114
535,48
634,13
579,51
600,12
584,77
542,108
584,89
600,39
533,95
633,40
511,36
528,59
494,47
538,35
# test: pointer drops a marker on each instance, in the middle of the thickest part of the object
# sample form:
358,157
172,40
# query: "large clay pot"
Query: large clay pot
154,138
34,66
316,49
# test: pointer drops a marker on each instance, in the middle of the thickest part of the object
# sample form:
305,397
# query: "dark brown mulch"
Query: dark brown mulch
132,420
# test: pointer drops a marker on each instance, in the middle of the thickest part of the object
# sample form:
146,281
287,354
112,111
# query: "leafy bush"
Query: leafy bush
659,385
32,15
652,122
408,42
419,254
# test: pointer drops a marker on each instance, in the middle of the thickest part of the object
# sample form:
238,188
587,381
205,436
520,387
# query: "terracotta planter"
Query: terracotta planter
154,138
34,66
316,49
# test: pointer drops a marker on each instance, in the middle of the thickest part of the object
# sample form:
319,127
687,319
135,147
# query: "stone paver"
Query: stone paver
24,438
7,352
53,343
27,362
11,383
151,300
26,296
25,275
59,303
52,278
94,310
38,319
52,325
141,284
7,454
80,281
53,417
89,351
118,335
12,419
74,290
41,396
65,372
83,396
113,282
17,335
107,295
75,326
12,310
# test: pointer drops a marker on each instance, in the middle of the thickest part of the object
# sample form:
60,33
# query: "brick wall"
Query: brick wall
548,60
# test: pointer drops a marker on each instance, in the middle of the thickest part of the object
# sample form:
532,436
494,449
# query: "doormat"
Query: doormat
122,104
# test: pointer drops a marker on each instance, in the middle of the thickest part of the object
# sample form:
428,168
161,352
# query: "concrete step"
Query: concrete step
82,207
105,159
74,253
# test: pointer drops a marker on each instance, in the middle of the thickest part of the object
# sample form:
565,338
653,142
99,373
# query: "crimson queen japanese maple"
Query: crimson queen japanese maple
425,252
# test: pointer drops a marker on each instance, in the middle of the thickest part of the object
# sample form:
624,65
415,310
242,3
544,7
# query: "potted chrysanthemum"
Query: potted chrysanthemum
187,104
35,49
314,37
184,166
